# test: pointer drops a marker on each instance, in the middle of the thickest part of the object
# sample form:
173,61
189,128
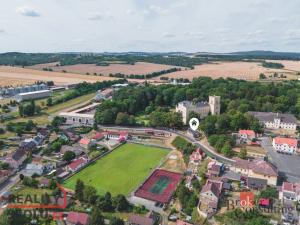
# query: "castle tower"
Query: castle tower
215,104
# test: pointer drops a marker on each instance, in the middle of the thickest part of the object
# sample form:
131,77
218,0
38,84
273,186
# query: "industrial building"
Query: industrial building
33,95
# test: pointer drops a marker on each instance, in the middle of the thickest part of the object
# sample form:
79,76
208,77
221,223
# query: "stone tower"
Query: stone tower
215,104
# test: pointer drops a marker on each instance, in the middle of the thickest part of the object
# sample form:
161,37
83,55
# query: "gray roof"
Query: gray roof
198,104
270,116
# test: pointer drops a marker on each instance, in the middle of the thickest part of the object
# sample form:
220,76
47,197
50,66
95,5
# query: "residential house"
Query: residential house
136,219
86,142
71,136
17,158
246,136
276,120
214,169
33,168
98,136
290,191
75,218
201,108
77,149
197,156
257,169
209,198
285,145
44,183
120,135
77,164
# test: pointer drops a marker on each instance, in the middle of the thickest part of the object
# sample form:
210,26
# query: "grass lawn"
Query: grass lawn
70,103
121,171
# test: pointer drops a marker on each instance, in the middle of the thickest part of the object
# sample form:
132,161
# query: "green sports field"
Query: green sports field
122,170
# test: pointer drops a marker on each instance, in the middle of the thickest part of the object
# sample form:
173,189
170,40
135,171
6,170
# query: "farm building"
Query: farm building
82,116
33,95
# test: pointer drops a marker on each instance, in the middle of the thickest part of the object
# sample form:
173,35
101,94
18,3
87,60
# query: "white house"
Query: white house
246,135
276,120
290,191
202,108
285,145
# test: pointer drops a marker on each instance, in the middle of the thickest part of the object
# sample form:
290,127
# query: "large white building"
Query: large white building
33,95
276,120
202,108
285,145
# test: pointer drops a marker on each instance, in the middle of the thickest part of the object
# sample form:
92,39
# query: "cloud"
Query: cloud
194,34
28,11
158,10
130,12
100,16
291,36
168,35
2,31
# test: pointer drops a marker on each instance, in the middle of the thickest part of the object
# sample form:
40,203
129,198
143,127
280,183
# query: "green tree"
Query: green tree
243,153
96,217
69,156
116,221
79,187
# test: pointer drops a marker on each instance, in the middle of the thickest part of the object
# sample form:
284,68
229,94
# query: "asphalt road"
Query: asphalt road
205,148
288,165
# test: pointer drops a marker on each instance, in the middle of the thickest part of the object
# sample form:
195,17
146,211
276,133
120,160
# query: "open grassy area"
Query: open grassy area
70,103
121,171
43,119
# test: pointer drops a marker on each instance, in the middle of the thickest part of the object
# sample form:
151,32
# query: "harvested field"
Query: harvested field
288,64
139,68
13,76
239,70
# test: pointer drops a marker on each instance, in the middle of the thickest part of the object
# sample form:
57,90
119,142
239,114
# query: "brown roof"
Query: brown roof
140,220
258,166
211,187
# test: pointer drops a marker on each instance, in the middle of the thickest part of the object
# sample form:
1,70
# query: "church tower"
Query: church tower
215,105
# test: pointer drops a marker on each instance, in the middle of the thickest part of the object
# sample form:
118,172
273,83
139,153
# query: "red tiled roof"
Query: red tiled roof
76,163
84,141
98,136
288,141
247,132
286,186
78,218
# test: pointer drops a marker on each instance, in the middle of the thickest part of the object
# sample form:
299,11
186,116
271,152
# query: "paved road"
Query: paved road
288,165
205,148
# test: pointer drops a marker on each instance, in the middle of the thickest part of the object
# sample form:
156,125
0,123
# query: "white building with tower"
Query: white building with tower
213,106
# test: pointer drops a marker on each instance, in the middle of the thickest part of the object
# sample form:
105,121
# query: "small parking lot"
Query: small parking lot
288,165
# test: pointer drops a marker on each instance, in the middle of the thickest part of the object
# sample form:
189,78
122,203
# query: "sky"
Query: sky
149,25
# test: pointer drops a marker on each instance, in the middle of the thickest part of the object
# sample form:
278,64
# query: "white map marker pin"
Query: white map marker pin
194,124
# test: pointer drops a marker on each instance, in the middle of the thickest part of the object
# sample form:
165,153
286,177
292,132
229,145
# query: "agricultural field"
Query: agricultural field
239,70
139,68
122,170
14,76
288,64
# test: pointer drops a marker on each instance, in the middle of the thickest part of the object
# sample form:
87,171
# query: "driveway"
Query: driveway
288,165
